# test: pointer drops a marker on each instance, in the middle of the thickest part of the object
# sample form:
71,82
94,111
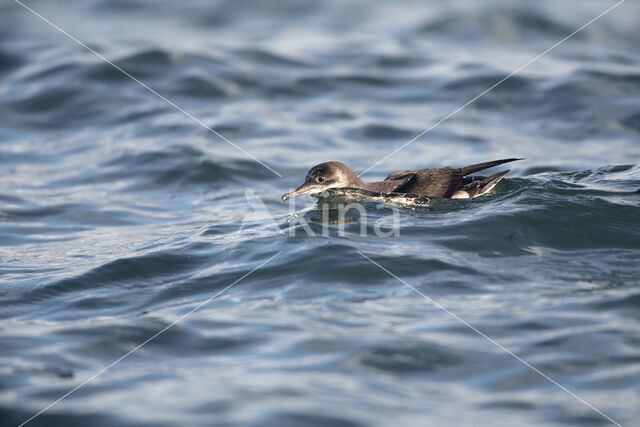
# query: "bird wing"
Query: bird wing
467,170
400,175
442,182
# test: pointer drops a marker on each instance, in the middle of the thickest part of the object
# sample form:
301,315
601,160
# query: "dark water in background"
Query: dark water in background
118,214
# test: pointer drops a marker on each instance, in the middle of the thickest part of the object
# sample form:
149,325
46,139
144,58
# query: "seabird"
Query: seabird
448,182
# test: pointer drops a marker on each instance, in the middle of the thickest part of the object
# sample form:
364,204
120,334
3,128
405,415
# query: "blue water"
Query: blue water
119,214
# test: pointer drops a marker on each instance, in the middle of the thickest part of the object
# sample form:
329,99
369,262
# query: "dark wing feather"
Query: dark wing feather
479,187
441,182
399,175
467,170
398,179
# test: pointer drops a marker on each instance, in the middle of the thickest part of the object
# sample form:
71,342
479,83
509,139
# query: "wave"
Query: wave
506,25
176,166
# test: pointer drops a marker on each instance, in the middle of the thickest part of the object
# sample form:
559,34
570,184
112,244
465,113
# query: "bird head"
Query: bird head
324,176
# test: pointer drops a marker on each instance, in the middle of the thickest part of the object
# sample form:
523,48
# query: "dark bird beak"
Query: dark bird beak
303,189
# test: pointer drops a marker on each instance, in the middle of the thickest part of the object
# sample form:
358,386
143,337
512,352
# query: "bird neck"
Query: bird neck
353,179
356,182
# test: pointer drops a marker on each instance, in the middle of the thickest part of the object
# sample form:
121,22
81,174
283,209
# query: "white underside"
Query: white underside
460,194
464,194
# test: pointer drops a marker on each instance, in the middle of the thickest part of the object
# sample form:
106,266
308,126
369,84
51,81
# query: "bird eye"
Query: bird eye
320,179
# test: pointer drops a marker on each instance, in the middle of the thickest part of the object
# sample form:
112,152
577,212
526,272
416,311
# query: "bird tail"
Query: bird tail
467,170
478,188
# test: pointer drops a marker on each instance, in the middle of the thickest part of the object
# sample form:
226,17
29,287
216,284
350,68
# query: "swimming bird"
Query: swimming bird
448,182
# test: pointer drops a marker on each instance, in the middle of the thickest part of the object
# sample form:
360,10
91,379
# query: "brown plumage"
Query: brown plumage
447,182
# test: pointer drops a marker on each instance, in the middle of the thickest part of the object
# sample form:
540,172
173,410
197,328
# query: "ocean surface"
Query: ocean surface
122,216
